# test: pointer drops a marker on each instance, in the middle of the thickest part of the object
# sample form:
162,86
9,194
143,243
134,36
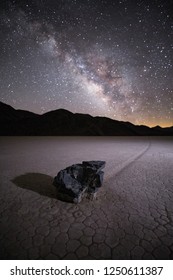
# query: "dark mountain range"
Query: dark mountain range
64,123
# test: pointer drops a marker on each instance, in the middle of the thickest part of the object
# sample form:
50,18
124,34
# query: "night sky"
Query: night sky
106,58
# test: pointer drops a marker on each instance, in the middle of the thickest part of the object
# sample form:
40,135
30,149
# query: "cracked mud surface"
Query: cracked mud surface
132,217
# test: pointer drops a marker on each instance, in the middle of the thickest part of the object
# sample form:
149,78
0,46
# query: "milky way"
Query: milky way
106,58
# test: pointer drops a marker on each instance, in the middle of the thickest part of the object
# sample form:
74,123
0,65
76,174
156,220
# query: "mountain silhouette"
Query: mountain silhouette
62,122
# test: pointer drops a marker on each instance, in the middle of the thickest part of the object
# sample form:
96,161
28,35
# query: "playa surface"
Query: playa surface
132,217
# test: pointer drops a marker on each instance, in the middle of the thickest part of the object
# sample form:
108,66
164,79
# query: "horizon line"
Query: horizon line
101,116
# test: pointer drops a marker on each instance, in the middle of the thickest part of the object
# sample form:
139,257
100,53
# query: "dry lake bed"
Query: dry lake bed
131,218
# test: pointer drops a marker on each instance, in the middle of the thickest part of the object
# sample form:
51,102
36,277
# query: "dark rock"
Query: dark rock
78,180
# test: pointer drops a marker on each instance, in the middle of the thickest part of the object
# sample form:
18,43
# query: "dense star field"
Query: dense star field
106,58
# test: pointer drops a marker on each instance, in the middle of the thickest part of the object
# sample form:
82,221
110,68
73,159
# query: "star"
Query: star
106,58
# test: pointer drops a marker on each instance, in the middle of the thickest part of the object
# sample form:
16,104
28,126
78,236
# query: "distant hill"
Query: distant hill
64,123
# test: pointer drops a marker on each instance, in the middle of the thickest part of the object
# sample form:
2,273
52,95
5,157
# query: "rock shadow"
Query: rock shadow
36,182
